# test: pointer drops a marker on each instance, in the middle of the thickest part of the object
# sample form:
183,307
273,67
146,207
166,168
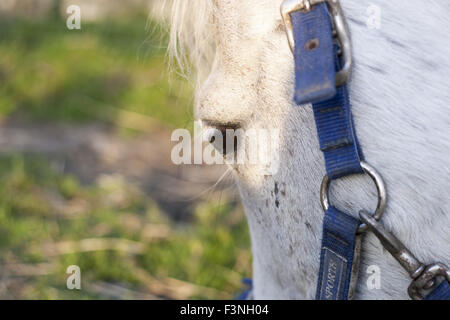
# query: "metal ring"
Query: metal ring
379,183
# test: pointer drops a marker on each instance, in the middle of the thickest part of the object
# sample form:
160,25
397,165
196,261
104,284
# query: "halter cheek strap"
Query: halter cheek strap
316,64
322,54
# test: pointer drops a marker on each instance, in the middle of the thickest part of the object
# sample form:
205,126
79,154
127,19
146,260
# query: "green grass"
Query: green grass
41,208
51,74
48,72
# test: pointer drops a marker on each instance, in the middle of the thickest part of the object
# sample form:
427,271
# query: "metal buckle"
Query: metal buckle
340,27
379,183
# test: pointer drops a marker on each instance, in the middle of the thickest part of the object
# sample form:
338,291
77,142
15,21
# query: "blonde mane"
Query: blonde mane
191,43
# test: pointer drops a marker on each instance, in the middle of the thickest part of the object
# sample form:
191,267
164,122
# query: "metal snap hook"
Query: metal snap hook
424,277
428,280
379,183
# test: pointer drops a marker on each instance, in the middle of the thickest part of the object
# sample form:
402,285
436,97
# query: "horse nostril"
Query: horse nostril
223,128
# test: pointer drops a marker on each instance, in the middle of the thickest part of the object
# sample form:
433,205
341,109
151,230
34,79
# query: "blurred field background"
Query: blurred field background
85,171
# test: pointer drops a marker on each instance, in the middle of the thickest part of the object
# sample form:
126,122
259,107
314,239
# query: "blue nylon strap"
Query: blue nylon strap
337,255
313,52
337,137
442,292
316,64
315,83
332,110
246,294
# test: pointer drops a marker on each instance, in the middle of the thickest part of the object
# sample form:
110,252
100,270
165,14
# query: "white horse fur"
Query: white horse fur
400,94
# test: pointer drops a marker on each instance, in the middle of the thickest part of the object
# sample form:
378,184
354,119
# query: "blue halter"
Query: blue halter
322,53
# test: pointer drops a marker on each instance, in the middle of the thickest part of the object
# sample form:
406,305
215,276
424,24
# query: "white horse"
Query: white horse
400,94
